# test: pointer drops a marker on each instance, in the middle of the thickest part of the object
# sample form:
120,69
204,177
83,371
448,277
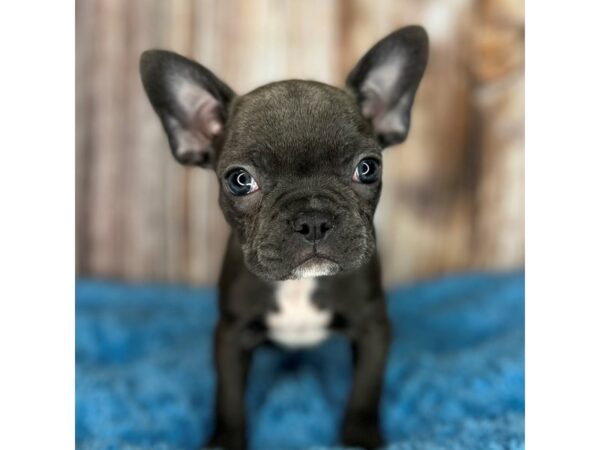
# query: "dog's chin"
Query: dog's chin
315,267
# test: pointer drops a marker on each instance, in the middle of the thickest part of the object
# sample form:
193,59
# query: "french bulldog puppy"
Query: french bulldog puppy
299,169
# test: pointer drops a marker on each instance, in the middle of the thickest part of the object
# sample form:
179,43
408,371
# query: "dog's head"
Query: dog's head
298,162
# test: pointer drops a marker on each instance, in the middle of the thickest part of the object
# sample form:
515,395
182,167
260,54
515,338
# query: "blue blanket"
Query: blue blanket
455,380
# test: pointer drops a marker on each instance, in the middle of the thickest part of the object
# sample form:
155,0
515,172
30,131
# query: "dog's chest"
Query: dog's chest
298,322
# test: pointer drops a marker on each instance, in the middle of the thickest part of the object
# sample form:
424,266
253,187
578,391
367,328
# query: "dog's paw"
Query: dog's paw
364,435
225,441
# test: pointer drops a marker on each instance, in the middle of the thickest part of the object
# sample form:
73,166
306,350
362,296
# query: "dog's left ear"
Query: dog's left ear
385,82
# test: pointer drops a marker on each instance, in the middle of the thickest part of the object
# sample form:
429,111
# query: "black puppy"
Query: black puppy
299,165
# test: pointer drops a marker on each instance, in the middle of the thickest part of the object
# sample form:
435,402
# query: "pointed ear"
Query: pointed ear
190,100
385,81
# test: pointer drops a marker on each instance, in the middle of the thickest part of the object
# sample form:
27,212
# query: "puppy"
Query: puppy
299,169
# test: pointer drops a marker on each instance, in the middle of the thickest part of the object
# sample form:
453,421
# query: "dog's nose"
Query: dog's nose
313,226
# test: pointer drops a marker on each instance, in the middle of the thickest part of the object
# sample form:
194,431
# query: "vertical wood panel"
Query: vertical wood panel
143,246
84,142
497,64
107,94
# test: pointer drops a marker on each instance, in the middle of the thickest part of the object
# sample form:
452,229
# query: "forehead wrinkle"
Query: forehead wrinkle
262,158
296,123
304,157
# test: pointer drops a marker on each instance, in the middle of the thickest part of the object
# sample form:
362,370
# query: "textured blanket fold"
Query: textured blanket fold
455,377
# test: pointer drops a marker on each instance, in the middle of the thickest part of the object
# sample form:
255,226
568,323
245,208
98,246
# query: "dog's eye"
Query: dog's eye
367,171
240,182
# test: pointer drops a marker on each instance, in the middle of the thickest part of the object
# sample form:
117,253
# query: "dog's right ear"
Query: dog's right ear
190,100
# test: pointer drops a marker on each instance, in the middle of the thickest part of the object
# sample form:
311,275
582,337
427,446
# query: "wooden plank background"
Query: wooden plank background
454,192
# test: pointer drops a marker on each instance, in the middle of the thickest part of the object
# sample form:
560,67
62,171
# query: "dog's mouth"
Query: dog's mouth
316,265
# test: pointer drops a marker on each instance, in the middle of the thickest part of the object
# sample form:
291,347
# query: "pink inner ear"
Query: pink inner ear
214,128
207,120
379,90
374,108
201,109
201,121
370,108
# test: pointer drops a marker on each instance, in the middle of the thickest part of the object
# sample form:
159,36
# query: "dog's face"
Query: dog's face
298,162
311,167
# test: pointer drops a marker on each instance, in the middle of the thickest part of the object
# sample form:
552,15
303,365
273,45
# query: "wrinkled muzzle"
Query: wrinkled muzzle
304,233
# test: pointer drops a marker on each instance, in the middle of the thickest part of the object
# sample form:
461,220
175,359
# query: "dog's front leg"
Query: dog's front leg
232,361
361,422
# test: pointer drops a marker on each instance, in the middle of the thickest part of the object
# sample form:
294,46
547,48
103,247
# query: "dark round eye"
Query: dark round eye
367,171
240,182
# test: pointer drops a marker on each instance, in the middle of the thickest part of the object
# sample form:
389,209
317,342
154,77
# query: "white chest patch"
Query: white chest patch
298,322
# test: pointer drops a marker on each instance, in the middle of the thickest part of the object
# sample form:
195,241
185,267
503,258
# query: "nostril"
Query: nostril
304,229
312,226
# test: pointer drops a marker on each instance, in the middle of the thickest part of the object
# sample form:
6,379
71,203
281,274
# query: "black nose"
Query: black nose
313,226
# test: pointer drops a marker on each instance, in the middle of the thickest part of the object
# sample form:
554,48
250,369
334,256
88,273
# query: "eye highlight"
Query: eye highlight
367,171
240,182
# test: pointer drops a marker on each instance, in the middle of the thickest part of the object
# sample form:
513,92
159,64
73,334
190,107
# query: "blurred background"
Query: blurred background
453,196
